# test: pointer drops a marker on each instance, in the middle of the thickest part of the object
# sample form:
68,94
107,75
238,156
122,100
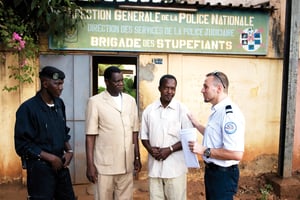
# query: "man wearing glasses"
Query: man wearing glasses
223,139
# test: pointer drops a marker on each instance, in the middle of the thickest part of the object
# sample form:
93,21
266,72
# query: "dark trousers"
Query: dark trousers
221,183
43,183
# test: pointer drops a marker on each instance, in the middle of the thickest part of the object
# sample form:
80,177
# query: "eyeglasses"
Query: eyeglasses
216,74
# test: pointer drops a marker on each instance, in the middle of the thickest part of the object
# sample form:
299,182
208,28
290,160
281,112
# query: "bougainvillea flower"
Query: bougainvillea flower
16,36
22,44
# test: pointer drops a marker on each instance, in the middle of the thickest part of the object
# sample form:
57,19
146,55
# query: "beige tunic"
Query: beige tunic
114,148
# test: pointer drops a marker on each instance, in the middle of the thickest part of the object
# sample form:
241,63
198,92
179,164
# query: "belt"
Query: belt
213,166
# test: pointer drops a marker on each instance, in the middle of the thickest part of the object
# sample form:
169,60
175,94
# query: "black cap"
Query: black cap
52,72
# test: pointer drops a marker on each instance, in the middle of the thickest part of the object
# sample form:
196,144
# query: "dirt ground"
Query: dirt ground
250,188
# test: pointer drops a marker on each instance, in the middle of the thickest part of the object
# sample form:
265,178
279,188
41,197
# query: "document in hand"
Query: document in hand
186,135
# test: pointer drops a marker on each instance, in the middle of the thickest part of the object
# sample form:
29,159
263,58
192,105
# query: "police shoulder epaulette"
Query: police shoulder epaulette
228,109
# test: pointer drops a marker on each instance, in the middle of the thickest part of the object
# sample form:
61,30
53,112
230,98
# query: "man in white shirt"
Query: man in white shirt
160,134
223,139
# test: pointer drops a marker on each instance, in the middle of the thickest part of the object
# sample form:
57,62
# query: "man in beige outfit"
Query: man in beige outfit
112,148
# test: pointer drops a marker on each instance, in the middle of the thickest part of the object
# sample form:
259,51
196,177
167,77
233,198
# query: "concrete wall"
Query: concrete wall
10,165
255,85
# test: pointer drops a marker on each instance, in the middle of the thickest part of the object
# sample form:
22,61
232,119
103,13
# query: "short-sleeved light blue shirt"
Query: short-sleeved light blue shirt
225,129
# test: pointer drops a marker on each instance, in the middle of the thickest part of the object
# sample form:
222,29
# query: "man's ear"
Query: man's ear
220,87
44,82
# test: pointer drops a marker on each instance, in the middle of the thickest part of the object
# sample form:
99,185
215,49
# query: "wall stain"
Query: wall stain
146,72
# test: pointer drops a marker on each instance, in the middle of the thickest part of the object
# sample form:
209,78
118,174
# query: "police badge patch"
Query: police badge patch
230,127
251,39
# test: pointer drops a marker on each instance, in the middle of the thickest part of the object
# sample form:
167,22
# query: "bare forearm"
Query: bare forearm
136,144
217,153
47,156
196,123
67,146
224,154
200,128
177,146
89,145
147,145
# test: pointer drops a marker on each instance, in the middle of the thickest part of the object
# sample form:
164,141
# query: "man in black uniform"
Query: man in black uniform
41,140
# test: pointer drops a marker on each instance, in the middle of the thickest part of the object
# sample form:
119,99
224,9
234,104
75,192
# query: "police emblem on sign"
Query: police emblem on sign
251,39
230,127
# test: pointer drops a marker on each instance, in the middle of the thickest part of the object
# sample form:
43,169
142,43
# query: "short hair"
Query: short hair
109,71
166,76
220,77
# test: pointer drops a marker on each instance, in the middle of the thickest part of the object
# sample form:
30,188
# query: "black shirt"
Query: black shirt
40,127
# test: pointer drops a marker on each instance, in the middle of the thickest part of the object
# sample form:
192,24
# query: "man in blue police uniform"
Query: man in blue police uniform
223,139
42,140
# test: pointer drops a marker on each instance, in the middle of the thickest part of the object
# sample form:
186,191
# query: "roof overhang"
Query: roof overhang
185,5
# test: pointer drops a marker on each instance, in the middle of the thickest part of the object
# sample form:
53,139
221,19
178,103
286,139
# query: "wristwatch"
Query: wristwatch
207,152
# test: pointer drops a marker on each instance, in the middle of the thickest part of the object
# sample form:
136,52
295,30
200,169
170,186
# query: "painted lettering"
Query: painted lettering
113,42
228,20
98,14
136,16
193,18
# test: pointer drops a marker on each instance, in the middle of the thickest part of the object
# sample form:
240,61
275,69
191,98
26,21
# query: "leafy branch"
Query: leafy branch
21,22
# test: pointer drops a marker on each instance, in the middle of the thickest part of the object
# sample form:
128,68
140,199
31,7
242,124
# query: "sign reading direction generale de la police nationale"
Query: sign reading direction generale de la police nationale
205,31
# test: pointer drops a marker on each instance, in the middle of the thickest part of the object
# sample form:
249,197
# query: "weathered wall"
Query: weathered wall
255,85
10,165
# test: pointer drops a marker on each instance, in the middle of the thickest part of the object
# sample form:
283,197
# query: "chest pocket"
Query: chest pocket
174,128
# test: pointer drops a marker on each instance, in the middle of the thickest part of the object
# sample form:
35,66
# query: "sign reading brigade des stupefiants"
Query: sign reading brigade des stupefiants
205,31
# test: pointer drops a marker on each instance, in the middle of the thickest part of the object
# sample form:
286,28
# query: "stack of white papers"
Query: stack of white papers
186,135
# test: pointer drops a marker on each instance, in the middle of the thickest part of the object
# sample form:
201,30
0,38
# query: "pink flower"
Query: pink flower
22,44
16,36
18,39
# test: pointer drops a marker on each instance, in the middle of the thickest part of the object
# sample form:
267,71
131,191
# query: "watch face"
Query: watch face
207,152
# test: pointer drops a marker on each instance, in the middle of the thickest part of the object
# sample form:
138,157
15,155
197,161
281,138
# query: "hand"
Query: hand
137,165
195,147
67,158
164,153
92,174
56,162
155,153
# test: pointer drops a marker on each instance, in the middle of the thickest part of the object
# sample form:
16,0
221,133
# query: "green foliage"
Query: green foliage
128,87
21,22
53,17
128,82
23,74
101,89
102,67
265,192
